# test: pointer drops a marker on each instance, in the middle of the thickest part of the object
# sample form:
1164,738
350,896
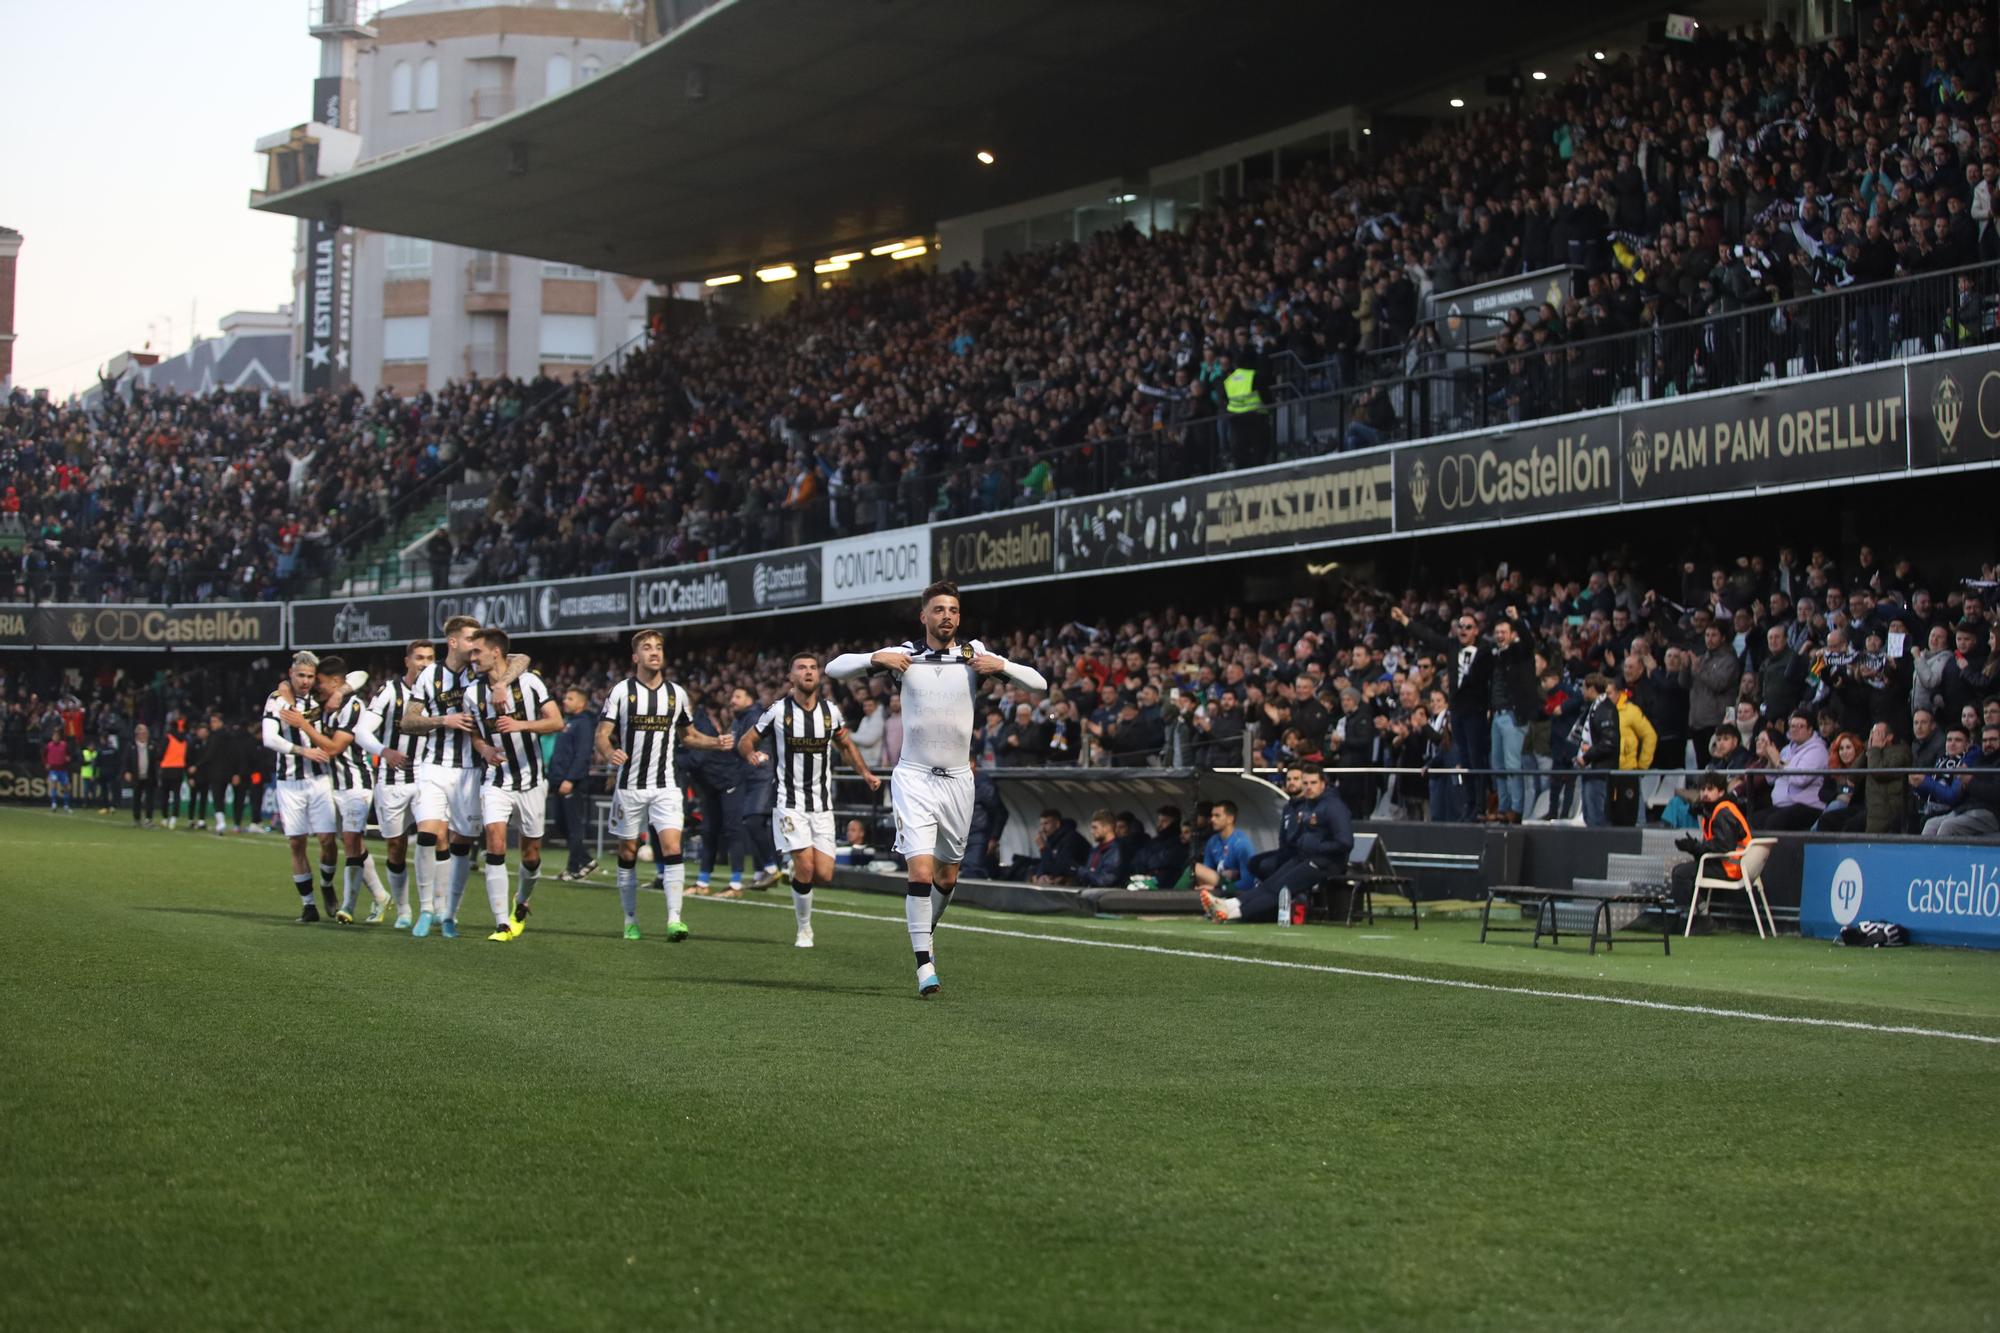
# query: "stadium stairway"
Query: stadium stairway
378,567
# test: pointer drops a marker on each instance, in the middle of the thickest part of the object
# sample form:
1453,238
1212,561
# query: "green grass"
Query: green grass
214,1118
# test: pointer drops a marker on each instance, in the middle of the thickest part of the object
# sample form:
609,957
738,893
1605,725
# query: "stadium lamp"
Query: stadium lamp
1539,75
847,258
909,252
1597,55
985,157
724,280
831,266
893,246
777,273
1457,102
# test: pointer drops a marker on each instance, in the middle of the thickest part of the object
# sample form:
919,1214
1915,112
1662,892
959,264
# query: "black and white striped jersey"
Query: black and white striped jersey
292,767
353,770
646,723
805,739
387,706
521,769
441,691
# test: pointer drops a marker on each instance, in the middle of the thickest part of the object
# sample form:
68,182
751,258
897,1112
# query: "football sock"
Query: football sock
917,913
399,885
350,886
673,878
372,879
461,875
426,869
628,889
530,872
802,902
496,885
940,899
304,884
326,870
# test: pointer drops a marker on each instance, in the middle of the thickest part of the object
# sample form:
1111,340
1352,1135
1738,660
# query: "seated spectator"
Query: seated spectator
1164,857
1224,867
1887,796
1022,742
856,852
1976,813
1725,830
1939,793
1324,839
1063,850
1267,863
1105,868
1795,801
1845,809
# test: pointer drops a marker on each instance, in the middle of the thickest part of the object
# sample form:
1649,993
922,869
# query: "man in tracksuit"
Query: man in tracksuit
569,774
754,794
713,776
1324,839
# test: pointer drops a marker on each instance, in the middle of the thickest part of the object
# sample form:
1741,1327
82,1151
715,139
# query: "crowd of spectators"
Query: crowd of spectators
1684,181
1515,696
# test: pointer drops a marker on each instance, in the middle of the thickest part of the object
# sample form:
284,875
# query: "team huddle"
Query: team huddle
452,748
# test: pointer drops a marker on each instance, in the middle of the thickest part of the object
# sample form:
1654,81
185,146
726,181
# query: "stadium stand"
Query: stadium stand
1739,208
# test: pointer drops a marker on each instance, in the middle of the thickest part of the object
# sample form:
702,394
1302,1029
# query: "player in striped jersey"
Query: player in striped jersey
646,717
379,732
807,728
448,777
932,785
351,776
512,720
305,800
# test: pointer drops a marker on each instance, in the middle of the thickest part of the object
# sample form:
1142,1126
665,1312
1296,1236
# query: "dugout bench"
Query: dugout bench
1601,896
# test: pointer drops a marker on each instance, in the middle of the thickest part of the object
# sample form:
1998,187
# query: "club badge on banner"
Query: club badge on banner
1955,410
1005,548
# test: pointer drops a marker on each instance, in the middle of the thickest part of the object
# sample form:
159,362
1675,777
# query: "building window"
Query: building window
590,69
406,338
559,75
569,338
407,258
427,85
400,83
554,270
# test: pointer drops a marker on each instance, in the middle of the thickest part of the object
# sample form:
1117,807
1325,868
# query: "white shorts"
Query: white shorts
392,808
796,830
449,794
635,810
354,806
933,811
497,805
305,806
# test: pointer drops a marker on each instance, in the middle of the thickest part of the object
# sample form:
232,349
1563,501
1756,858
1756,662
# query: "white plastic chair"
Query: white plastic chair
1708,874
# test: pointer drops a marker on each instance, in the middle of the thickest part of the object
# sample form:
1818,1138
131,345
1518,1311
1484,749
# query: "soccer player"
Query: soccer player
512,720
353,780
379,732
305,798
807,728
649,718
931,788
448,777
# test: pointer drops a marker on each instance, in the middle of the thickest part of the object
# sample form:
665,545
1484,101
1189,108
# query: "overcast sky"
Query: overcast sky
130,133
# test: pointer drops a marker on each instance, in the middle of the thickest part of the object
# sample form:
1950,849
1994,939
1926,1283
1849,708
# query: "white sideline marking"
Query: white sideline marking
1331,969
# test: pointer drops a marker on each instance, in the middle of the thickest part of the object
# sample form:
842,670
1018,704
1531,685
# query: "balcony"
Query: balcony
486,283
491,103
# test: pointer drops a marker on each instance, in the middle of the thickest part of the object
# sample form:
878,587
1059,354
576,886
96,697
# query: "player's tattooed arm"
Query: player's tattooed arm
517,666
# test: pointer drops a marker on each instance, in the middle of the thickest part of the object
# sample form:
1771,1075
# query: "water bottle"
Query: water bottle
1284,907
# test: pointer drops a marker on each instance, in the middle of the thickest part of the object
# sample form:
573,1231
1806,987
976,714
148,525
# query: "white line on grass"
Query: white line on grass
1410,978
1707,1011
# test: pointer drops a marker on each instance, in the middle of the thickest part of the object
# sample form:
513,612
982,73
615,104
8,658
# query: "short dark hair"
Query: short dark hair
646,634
1230,806
814,658
1052,814
457,623
942,588
418,645
1312,768
497,637
333,665
1713,781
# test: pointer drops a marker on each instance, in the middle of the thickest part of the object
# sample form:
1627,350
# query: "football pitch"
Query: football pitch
216,1118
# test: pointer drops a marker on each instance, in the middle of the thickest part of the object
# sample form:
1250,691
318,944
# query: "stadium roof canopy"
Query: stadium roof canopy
770,129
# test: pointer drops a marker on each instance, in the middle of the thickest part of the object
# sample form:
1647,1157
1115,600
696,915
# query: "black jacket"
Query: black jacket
1065,853
1601,718
1513,668
1470,686
1326,833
